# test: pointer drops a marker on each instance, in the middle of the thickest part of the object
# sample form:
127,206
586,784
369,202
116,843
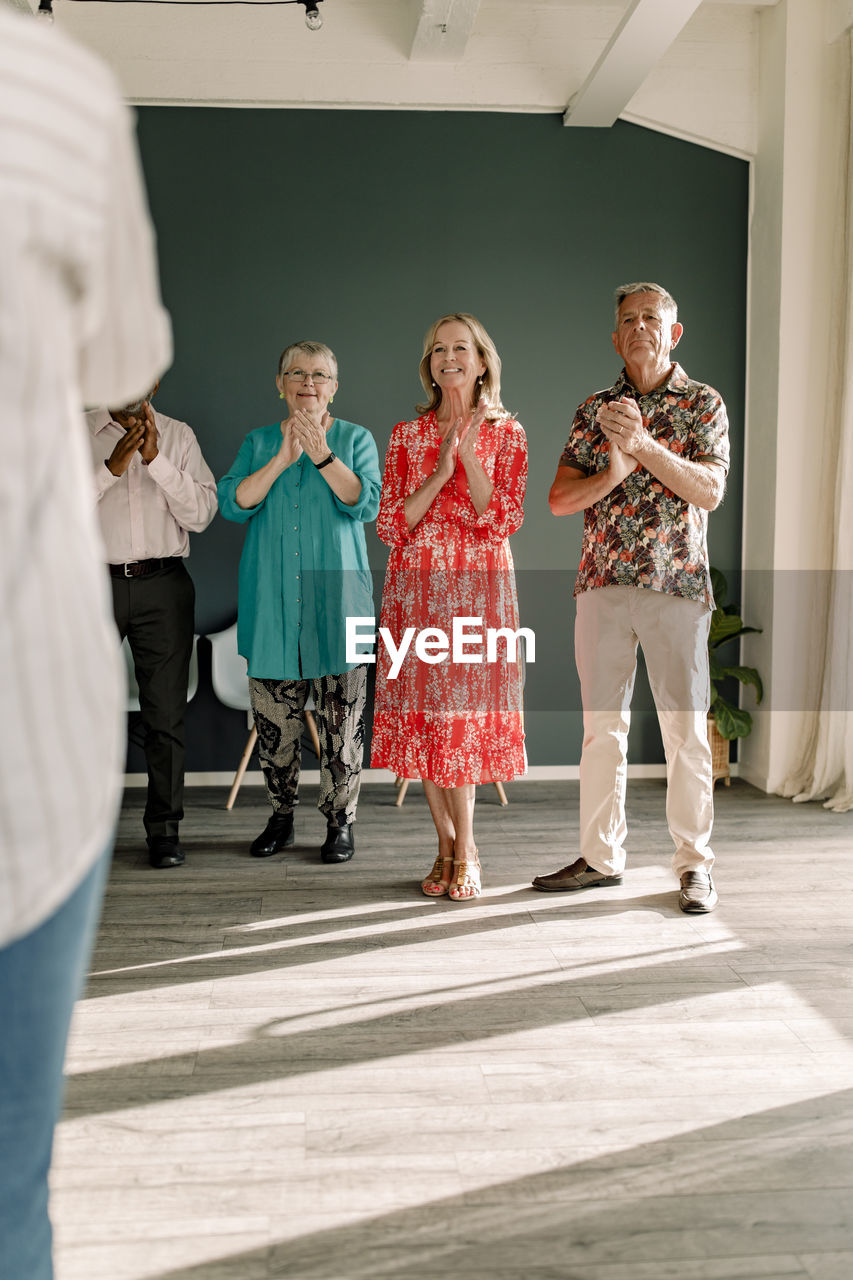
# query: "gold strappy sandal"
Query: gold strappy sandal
466,880
437,884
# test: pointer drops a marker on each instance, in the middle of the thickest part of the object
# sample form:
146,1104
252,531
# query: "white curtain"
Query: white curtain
825,767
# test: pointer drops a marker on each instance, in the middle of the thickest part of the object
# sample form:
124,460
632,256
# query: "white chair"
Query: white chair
133,687
231,685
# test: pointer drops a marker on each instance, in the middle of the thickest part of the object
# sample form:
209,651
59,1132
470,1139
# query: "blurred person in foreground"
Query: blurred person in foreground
74,236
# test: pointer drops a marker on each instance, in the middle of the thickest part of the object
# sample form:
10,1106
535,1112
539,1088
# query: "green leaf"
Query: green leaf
719,586
732,722
746,675
724,626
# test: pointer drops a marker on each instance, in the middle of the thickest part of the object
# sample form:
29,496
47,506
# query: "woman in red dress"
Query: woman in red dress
452,494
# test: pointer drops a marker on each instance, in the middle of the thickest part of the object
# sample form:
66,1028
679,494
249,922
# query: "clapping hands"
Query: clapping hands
140,436
622,423
460,441
303,432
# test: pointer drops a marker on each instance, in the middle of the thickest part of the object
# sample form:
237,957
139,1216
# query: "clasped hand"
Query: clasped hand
140,435
460,442
302,432
622,423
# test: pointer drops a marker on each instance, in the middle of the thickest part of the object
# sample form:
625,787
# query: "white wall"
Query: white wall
792,420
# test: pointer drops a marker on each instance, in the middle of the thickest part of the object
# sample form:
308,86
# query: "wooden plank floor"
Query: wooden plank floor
286,1069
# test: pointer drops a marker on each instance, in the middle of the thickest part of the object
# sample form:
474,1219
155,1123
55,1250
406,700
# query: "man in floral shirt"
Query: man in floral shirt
646,461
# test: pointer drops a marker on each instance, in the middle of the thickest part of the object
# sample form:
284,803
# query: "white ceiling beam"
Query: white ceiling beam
443,28
647,29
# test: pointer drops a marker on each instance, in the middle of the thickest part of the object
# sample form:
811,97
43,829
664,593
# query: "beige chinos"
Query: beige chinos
673,633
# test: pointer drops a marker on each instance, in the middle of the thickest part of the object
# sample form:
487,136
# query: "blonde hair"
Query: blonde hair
310,349
488,387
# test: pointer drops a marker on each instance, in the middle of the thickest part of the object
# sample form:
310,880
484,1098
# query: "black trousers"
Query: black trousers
157,614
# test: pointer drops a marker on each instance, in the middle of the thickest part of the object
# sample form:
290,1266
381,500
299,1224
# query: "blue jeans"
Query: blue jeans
41,975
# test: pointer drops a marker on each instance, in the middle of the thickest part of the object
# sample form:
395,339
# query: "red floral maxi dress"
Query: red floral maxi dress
452,722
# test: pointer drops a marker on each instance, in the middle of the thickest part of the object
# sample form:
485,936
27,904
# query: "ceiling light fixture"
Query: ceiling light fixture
313,21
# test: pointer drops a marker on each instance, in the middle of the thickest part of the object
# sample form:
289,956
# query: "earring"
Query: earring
331,399
281,395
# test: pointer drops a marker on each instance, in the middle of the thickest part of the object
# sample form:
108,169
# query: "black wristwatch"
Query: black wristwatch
325,462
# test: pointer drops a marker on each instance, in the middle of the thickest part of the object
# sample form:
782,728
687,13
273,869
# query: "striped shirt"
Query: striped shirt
74,235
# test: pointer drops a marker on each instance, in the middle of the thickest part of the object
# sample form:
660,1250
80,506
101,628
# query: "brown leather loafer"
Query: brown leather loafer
698,894
577,876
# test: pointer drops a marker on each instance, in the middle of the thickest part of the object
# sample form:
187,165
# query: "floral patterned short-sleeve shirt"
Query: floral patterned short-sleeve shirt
641,534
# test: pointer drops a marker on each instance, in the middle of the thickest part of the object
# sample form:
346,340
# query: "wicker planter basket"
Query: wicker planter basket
719,753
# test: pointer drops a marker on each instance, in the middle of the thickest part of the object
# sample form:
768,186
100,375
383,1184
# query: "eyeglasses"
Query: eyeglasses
318,378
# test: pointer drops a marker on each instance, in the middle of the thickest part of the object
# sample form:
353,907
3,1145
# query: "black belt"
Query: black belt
140,568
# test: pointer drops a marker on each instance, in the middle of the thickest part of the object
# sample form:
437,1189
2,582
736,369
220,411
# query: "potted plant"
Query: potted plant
725,720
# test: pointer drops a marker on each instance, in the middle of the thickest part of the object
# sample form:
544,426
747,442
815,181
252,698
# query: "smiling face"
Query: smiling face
455,363
312,391
645,335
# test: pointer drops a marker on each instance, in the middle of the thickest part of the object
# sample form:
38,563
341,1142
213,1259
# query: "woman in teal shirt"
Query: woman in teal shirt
305,487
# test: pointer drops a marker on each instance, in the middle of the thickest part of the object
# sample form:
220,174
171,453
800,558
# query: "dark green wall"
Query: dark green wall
359,228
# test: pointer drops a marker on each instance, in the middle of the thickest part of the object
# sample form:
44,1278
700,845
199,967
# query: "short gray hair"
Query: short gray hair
311,349
670,306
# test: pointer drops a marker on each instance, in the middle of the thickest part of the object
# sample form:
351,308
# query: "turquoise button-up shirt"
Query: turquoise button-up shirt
304,566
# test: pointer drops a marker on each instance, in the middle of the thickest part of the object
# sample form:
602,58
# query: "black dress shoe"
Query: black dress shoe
339,845
276,835
164,851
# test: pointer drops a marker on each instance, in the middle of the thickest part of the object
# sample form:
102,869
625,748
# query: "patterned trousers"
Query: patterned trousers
278,706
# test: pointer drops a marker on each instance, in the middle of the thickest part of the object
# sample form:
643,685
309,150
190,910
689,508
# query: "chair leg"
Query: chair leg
499,787
241,768
311,725
402,786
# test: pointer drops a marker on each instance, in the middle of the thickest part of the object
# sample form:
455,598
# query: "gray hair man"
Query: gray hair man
646,461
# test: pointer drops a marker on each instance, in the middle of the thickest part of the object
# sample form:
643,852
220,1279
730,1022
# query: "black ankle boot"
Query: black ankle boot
276,835
339,845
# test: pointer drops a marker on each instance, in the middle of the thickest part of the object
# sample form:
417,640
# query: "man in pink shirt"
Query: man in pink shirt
154,489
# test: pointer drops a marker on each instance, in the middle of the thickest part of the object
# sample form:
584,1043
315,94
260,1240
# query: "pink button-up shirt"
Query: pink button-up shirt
150,510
